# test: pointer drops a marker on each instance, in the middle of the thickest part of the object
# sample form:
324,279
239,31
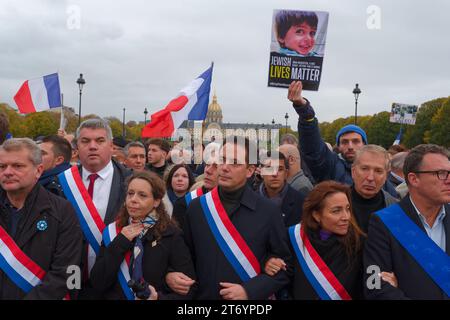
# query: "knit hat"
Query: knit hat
351,128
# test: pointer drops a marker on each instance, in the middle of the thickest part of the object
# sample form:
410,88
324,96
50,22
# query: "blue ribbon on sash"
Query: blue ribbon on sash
433,260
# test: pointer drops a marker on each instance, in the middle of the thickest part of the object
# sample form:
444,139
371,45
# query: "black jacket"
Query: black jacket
383,250
348,270
170,252
53,249
259,223
179,211
49,179
292,207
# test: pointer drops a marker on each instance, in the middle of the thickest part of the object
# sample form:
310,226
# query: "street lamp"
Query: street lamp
273,121
145,116
81,83
286,116
123,124
356,92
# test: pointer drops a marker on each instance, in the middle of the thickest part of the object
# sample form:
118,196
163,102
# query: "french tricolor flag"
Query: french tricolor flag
39,94
191,104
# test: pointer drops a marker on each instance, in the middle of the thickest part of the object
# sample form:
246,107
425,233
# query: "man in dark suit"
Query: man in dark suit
37,227
102,176
254,220
276,189
403,275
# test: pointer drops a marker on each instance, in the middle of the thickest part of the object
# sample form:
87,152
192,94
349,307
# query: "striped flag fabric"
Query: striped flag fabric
39,94
191,104
398,138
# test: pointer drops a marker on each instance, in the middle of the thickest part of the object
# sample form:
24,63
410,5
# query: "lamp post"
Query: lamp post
356,92
145,116
286,116
273,121
81,83
123,124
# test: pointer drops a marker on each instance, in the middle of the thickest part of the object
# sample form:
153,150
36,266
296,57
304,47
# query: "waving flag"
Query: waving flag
191,104
39,94
399,137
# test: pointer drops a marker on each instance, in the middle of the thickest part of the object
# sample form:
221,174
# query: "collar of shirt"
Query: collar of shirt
103,174
440,216
397,177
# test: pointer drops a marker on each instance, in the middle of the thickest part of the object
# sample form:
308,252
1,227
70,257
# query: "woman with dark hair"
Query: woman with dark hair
141,246
179,181
327,246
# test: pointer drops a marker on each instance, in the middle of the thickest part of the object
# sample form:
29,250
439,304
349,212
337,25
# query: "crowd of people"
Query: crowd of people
305,222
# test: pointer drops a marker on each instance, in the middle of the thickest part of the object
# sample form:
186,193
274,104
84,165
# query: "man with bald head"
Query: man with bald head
296,177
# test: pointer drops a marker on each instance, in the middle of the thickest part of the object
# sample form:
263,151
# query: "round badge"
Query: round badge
41,225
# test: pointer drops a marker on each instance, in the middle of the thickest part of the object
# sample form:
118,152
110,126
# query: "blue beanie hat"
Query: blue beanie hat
351,128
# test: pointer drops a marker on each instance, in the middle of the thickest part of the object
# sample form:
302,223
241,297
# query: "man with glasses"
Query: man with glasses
410,242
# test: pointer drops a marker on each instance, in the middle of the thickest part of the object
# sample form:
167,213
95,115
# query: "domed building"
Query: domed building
213,126
214,114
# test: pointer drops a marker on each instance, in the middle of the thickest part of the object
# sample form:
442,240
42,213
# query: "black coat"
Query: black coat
259,223
168,253
348,270
383,250
292,207
53,249
179,211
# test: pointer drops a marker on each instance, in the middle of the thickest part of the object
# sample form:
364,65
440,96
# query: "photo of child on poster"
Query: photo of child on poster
297,48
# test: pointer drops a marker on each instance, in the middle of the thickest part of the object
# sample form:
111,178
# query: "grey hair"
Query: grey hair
374,149
398,160
133,144
17,144
96,123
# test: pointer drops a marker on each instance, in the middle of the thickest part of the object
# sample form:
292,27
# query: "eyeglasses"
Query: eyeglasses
441,174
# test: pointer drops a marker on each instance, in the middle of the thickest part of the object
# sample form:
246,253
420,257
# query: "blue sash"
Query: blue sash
433,260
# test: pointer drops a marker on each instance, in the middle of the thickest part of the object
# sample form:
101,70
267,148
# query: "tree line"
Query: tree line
432,125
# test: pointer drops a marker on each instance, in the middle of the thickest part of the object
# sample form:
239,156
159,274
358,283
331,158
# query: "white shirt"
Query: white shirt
102,190
102,187
437,231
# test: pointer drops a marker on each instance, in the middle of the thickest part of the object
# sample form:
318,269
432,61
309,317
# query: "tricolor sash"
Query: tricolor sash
110,232
90,220
228,238
319,275
23,271
192,195
433,260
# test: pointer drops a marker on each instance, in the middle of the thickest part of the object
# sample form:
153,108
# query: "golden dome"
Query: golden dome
214,106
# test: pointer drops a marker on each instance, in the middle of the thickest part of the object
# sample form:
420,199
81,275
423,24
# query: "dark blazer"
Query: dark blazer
53,249
292,207
348,270
168,253
116,200
383,250
179,211
118,188
259,223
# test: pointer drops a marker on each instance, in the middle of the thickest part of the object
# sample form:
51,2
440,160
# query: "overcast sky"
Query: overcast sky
137,54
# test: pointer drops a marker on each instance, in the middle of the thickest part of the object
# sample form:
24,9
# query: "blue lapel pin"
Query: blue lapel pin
41,225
